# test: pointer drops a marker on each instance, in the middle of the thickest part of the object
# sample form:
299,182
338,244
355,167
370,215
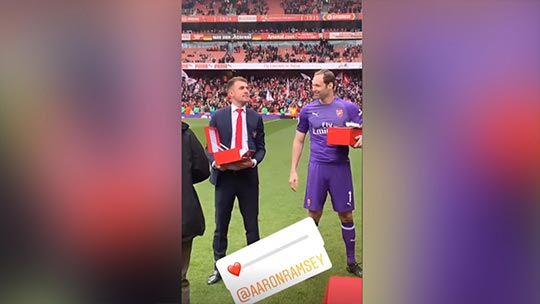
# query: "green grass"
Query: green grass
279,208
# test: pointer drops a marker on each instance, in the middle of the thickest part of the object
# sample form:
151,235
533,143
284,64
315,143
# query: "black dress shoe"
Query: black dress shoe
214,277
355,269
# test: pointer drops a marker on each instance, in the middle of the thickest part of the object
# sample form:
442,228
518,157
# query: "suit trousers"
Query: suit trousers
231,185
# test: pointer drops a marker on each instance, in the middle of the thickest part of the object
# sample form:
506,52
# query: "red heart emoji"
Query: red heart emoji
235,269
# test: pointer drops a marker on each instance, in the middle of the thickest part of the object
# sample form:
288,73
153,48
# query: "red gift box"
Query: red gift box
343,290
342,136
222,154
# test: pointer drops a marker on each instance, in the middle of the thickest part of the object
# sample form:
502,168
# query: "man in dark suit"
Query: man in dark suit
238,126
194,170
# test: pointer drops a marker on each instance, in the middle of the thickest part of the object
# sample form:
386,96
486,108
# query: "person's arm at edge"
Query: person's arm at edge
200,170
357,117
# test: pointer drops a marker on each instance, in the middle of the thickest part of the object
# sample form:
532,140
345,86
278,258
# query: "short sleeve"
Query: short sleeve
303,121
355,114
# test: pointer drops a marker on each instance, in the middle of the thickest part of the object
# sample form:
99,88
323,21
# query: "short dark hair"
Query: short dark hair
328,77
233,80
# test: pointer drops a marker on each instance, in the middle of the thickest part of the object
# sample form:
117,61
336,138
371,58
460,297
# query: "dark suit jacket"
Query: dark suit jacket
195,169
255,127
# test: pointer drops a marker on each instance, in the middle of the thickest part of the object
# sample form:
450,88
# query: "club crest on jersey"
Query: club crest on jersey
339,112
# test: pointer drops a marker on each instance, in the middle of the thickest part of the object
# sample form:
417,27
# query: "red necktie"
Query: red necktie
239,129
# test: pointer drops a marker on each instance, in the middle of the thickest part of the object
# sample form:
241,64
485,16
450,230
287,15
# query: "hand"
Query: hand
240,165
293,181
358,143
222,167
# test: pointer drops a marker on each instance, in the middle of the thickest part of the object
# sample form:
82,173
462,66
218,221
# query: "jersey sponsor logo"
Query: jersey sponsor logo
324,128
339,112
326,124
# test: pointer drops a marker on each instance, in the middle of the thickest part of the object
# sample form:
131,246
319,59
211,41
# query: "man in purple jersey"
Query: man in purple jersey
329,168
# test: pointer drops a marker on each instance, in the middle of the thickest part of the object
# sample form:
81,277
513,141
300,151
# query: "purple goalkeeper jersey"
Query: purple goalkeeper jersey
317,117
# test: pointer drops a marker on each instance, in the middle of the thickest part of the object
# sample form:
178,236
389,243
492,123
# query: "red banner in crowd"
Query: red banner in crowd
339,17
217,37
204,19
201,37
247,18
271,18
342,35
186,37
206,66
308,36
272,66
278,36
290,36
288,18
272,36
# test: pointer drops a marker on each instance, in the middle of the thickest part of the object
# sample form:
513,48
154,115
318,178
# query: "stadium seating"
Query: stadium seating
274,7
204,55
206,89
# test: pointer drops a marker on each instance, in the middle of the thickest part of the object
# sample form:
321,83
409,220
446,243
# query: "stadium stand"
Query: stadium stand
264,7
270,52
302,6
344,7
262,41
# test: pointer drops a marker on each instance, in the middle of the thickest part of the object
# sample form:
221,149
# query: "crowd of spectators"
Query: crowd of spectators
259,53
203,57
269,95
217,48
206,56
225,7
345,6
260,7
317,53
322,52
352,52
301,52
252,7
211,7
301,6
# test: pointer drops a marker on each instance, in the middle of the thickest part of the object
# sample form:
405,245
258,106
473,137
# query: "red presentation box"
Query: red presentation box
342,136
223,155
343,290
